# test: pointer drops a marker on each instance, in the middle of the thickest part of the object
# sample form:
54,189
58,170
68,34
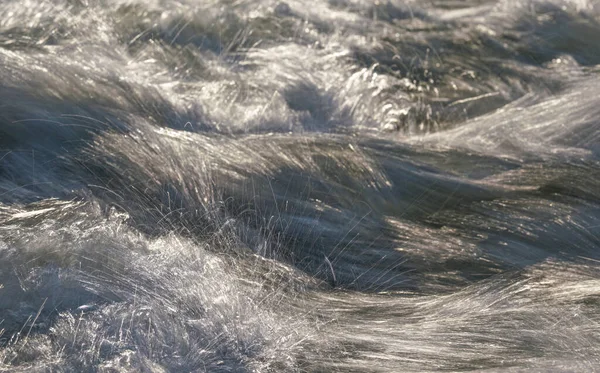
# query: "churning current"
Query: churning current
299,186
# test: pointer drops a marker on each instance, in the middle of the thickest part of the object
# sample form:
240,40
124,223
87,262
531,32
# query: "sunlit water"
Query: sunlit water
308,186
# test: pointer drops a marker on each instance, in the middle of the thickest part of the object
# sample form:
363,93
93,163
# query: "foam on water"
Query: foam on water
339,185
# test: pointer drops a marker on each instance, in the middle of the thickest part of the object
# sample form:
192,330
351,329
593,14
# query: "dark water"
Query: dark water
308,186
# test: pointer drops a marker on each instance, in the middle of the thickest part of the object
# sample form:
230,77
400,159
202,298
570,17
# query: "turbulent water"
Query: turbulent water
299,186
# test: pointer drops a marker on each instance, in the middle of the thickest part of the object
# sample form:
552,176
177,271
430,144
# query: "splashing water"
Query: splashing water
311,186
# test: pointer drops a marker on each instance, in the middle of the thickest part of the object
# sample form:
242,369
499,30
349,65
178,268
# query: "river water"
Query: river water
299,186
